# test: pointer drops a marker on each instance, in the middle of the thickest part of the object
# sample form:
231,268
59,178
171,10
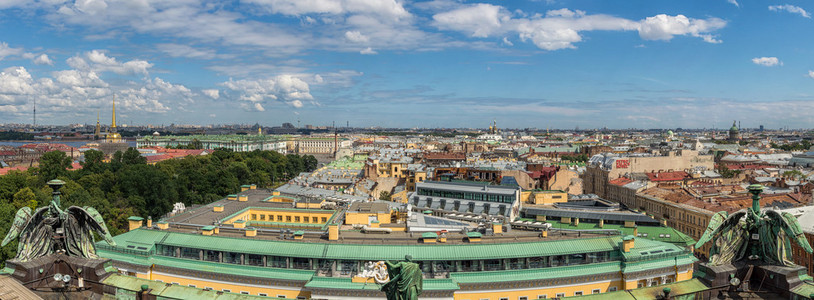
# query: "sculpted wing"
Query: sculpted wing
92,218
20,220
720,222
789,224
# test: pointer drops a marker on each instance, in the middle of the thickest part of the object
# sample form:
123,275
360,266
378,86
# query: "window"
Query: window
612,289
279,218
254,216
579,293
175,283
281,296
262,217
314,220
208,288
244,292
227,290
560,295
297,219
192,285
324,220
523,298
263,294
542,296
288,219
504,298
595,291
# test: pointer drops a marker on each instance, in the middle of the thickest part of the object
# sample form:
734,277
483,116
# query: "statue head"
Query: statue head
408,258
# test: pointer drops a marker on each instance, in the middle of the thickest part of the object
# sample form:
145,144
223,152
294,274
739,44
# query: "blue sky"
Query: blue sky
389,63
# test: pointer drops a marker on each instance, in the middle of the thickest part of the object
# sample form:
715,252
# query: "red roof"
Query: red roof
4,171
620,181
668,176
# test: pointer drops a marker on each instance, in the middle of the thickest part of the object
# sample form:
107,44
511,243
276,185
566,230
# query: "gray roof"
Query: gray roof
468,187
607,216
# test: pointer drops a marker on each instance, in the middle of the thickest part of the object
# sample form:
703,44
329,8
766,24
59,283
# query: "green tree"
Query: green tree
385,195
132,157
54,164
94,162
25,197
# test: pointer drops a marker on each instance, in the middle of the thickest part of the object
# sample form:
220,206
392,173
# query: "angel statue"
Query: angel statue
53,230
753,234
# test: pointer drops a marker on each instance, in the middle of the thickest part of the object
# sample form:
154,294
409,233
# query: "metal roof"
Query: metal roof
384,252
604,215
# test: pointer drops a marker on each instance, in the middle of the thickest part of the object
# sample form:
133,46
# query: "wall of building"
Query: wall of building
363,218
304,216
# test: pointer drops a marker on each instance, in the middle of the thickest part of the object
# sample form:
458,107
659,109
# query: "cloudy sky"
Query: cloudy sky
401,63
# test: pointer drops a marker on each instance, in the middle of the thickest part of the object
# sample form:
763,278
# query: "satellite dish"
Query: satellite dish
735,281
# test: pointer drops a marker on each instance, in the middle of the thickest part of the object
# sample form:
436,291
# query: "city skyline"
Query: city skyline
428,64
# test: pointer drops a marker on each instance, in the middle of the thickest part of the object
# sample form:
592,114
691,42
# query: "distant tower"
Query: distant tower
35,112
113,136
734,132
98,133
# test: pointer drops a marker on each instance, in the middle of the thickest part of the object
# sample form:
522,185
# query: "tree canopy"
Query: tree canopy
127,185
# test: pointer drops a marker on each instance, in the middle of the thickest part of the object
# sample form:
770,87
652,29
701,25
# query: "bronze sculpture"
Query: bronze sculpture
753,234
406,282
53,230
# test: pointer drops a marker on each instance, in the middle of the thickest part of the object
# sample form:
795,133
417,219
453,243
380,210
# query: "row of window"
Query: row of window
557,295
351,267
229,291
288,219
467,195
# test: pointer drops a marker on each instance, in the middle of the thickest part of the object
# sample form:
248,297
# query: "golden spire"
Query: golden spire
114,111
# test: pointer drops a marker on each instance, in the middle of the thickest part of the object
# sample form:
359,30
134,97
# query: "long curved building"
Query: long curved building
263,244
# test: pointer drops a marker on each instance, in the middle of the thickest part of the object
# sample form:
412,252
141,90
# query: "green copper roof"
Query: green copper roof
656,233
682,260
134,218
474,234
429,235
347,284
677,290
535,274
173,291
389,252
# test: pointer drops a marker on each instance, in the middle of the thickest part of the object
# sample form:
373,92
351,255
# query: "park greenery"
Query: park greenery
125,185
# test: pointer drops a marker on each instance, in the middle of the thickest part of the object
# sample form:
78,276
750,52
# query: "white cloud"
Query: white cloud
368,51
561,28
97,60
214,94
734,2
356,37
43,59
5,50
479,20
16,81
259,107
790,8
296,103
767,61
507,42
91,7
810,73
664,27
178,50
383,8
285,88
77,78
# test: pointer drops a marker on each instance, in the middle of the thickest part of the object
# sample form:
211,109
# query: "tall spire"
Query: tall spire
114,112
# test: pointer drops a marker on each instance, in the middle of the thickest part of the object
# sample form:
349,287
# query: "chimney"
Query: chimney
628,243
134,222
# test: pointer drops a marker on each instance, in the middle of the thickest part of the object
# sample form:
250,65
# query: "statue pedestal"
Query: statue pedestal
752,276
85,275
